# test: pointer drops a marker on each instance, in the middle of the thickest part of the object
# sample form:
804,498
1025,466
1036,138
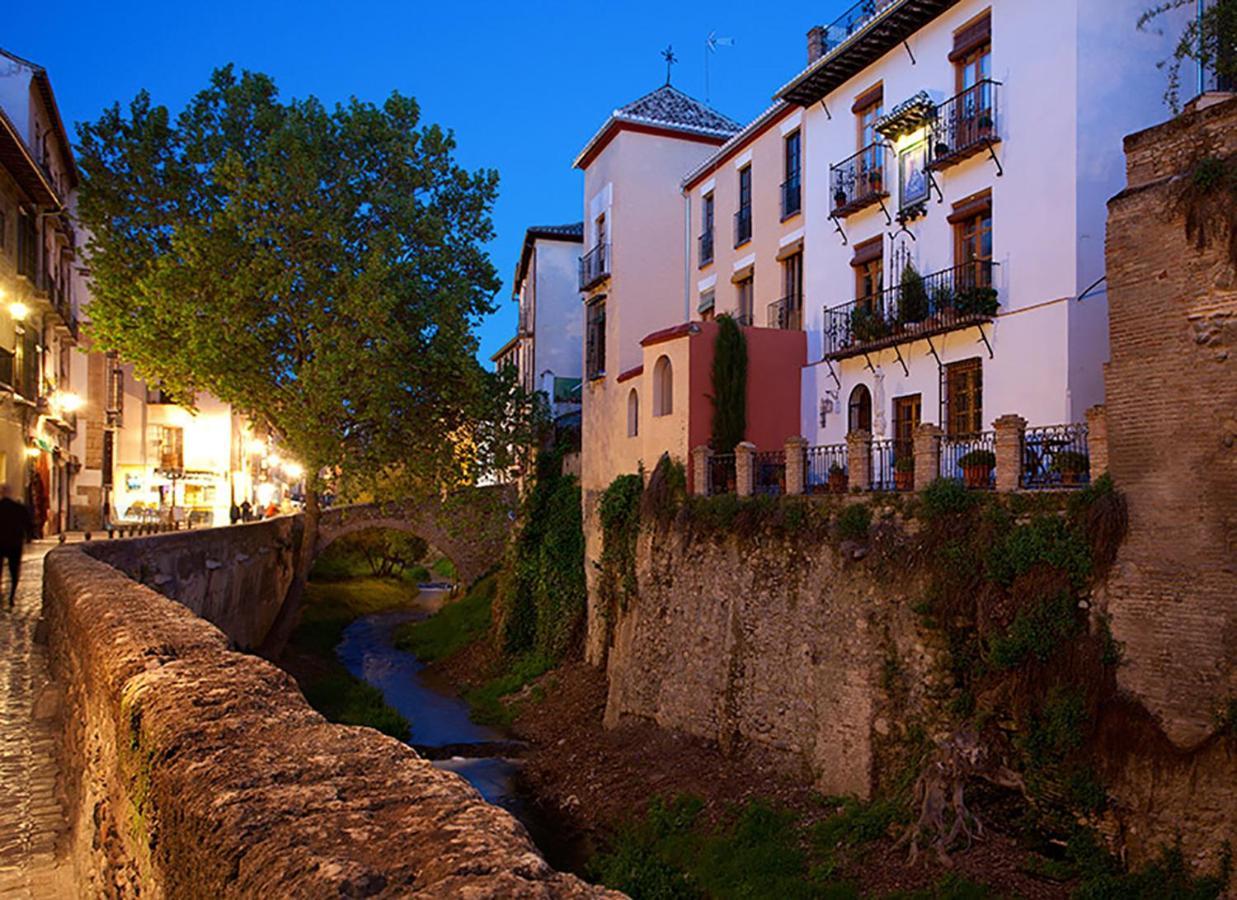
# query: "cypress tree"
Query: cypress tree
729,386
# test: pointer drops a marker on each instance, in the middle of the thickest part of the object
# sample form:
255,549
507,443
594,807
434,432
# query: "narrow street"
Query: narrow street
32,820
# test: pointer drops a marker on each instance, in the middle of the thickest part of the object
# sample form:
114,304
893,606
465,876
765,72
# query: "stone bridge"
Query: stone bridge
470,527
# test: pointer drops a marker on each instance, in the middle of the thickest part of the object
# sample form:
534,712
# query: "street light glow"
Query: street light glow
19,311
70,402
294,471
32,452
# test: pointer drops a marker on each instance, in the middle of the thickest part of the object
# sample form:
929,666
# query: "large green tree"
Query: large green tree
319,268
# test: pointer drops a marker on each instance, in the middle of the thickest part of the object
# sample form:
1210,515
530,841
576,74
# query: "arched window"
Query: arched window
859,412
633,413
663,387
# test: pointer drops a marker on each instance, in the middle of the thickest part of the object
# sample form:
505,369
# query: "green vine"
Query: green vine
620,525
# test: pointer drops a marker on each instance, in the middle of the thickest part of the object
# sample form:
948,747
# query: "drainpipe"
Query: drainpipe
687,255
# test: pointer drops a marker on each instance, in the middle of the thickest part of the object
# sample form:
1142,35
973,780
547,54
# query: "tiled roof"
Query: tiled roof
574,230
740,140
669,108
44,84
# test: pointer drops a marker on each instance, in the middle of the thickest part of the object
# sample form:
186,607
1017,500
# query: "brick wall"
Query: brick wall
1172,434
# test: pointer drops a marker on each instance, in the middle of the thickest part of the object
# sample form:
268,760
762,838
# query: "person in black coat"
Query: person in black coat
16,528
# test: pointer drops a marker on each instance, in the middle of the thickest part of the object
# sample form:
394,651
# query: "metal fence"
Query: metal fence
722,477
971,459
884,459
965,123
860,179
594,266
769,473
1056,456
825,469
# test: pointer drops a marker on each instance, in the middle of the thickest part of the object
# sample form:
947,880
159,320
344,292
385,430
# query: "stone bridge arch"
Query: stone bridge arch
469,526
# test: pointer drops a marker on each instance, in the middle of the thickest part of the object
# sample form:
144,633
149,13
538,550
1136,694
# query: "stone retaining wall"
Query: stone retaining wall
193,770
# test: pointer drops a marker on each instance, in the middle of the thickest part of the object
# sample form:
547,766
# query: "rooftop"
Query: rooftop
666,109
573,233
44,84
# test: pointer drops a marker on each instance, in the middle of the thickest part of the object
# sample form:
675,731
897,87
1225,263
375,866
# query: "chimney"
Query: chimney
815,44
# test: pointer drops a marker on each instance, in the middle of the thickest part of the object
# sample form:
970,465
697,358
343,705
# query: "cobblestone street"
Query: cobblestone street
32,821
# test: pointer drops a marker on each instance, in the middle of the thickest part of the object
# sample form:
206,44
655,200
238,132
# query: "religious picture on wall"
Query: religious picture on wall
913,171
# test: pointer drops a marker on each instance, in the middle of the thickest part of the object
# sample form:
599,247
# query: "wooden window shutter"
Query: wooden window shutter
867,252
972,35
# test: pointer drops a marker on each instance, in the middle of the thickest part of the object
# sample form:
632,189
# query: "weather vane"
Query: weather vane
711,43
670,58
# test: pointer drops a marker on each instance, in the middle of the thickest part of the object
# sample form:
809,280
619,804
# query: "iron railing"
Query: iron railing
884,462
705,247
742,225
916,308
970,458
1055,456
769,472
594,266
722,476
792,197
965,124
825,469
786,314
851,21
859,180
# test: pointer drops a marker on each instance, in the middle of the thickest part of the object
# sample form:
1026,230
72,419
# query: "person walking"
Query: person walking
16,528
246,511
234,513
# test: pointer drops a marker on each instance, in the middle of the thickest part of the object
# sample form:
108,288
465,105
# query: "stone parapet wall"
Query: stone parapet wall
236,577
197,771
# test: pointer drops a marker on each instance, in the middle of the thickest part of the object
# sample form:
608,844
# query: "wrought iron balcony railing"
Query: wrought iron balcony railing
970,458
705,247
860,180
1056,456
792,197
966,124
786,314
594,266
769,473
826,469
851,21
742,226
919,307
722,474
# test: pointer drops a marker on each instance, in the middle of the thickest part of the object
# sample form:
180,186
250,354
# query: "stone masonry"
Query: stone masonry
1172,434
195,771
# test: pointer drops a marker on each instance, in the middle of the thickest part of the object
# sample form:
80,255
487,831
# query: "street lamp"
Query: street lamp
19,311
70,402
294,471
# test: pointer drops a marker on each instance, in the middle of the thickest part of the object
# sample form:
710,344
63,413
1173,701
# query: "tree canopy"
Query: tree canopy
319,268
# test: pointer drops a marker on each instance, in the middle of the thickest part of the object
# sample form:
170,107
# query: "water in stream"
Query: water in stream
439,717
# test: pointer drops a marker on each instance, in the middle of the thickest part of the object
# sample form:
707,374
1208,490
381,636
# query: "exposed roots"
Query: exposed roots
939,795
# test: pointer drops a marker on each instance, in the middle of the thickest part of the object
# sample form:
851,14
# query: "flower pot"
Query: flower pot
1070,476
837,482
839,198
904,481
977,476
942,149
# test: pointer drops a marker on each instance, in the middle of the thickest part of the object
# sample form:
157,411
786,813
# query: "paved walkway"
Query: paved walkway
32,821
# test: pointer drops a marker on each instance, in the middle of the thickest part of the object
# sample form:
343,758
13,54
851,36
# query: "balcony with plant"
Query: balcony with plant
859,181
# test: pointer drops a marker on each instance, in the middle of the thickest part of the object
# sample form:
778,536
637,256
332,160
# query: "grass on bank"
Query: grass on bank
328,686
453,627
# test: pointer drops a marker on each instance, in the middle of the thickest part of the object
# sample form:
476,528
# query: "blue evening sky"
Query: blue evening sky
523,85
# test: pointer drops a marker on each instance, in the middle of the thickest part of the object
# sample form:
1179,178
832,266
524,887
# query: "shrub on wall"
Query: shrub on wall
620,526
729,386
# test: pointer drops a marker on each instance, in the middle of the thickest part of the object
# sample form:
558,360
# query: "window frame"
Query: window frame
595,338
955,373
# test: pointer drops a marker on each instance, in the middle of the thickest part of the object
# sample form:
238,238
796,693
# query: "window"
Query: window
973,114
706,230
791,193
972,221
171,448
706,304
663,387
790,307
743,218
869,265
964,397
868,108
600,230
745,299
595,340
859,410
633,413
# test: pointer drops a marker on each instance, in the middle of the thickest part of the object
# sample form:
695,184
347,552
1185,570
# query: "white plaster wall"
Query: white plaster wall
559,313
15,94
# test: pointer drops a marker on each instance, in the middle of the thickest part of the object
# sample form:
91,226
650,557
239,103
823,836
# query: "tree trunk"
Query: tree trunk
290,612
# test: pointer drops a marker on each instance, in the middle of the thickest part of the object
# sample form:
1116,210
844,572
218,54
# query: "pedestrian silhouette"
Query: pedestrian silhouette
16,528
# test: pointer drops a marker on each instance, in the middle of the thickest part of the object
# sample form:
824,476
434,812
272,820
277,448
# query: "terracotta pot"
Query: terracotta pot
904,481
837,482
977,476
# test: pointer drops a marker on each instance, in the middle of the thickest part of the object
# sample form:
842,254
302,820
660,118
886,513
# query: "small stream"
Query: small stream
439,717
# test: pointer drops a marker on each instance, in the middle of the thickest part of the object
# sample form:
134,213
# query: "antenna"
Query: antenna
711,43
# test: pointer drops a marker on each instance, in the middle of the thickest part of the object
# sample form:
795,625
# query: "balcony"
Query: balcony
742,226
792,198
594,267
859,181
786,314
704,245
965,125
918,308
852,21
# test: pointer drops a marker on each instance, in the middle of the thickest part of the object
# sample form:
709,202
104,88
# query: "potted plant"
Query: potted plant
977,467
1070,465
867,325
839,196
837,479
941,149
984,122
874,180
904,473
